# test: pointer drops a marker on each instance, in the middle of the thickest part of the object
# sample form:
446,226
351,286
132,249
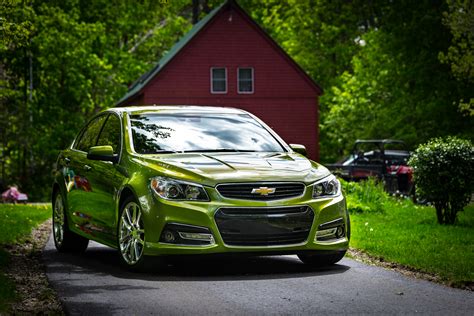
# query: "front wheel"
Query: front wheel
131,235
64,239
321,259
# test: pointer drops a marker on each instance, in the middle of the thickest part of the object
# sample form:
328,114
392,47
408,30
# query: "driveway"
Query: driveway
94,283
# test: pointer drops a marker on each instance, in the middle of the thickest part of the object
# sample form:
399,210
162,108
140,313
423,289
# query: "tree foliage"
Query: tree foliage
63,61
379,64
460,54
397,87
398,69
443,170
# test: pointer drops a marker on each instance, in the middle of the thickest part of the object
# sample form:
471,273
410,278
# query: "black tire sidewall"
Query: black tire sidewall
71,242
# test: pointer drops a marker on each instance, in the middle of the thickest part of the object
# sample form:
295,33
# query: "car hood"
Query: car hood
214,168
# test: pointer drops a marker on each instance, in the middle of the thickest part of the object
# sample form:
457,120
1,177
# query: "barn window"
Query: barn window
245,80
218,80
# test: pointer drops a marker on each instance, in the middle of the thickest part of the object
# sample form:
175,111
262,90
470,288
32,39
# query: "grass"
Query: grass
399,231
16,223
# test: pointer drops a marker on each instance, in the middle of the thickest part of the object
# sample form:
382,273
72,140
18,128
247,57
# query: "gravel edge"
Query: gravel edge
364,257
28,272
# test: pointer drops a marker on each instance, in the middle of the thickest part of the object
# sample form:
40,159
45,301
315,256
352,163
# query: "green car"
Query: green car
190,180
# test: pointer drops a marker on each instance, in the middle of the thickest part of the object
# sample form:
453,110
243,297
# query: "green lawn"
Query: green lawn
16,223
408,234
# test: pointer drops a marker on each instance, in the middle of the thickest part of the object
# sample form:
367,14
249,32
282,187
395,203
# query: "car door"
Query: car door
106,181
77,175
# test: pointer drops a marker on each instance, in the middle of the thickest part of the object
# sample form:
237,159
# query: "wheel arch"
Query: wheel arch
57,189
54,189
126,192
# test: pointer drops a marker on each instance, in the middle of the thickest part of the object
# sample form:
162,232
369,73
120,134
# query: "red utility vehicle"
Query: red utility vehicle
385,159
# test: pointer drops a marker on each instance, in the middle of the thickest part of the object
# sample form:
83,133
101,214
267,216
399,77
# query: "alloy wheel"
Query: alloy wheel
58,220
131,233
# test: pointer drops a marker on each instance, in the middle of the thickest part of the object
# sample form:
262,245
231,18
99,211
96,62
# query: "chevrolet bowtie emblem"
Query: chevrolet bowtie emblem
263,191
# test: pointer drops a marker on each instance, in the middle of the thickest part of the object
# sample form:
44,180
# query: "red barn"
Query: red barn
228,60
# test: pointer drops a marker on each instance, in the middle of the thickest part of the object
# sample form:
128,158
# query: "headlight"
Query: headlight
327,187
171,189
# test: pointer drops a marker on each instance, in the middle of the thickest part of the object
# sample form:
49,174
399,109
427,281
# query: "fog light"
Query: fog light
330,231
168,236
184,234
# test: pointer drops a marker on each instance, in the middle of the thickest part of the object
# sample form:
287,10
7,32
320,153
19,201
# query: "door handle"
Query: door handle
87,168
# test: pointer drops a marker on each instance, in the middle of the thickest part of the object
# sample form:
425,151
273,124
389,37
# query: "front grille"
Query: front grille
261,226
243,191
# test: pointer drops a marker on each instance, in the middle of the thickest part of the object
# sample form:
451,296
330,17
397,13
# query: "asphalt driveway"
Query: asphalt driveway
94,283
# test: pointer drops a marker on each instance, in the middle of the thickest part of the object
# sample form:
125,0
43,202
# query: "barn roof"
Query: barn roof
139,84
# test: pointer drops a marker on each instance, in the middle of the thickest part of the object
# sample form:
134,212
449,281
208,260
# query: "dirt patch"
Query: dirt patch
27,271
362,256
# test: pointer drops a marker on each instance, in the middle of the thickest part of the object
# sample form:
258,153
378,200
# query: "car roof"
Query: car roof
177,109
396,152
389,152
379,141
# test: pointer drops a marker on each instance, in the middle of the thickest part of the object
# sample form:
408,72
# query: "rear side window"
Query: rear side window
111,133
90,134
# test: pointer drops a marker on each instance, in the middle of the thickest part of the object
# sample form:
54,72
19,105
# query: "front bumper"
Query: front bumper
158,213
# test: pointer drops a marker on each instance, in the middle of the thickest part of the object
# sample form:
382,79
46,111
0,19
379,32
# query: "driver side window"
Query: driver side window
111,134
90,134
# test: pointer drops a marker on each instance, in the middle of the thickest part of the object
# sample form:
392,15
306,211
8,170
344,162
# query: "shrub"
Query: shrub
444,175
365,196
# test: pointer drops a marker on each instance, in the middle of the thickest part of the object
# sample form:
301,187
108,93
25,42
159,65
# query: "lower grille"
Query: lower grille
262,226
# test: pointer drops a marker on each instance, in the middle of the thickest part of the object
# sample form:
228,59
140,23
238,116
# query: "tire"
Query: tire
64,239
131,236
321,259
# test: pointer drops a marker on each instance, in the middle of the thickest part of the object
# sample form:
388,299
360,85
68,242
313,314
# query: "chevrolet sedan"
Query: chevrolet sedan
187,180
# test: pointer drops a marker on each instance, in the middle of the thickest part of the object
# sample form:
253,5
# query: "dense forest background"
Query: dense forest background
390,68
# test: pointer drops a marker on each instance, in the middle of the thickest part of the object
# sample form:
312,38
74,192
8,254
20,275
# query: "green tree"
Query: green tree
63,61
443,170
397,88
460,55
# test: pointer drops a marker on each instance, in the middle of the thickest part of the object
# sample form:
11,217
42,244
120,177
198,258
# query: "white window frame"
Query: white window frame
238,81
211,80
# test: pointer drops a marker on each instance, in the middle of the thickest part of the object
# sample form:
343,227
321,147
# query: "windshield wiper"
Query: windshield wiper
218,150
166,152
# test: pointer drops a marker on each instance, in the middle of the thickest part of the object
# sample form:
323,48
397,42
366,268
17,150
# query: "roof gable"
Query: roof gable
137,87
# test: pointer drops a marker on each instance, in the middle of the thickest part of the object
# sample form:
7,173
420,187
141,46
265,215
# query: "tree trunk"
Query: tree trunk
205,7
452,212
195,11
439,213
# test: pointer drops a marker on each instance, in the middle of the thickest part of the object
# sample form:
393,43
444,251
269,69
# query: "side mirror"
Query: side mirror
300,149
104,153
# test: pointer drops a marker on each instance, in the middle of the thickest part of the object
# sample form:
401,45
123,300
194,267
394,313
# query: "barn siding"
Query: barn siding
232,45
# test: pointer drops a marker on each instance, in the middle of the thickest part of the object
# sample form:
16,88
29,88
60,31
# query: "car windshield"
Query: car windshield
167,133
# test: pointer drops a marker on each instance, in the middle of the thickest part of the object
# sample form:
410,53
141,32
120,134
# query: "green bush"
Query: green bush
444,175
365,196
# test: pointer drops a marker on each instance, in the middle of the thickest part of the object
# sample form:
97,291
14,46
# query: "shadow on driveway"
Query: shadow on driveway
105,261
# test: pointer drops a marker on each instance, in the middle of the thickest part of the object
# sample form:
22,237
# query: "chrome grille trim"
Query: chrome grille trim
242,191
